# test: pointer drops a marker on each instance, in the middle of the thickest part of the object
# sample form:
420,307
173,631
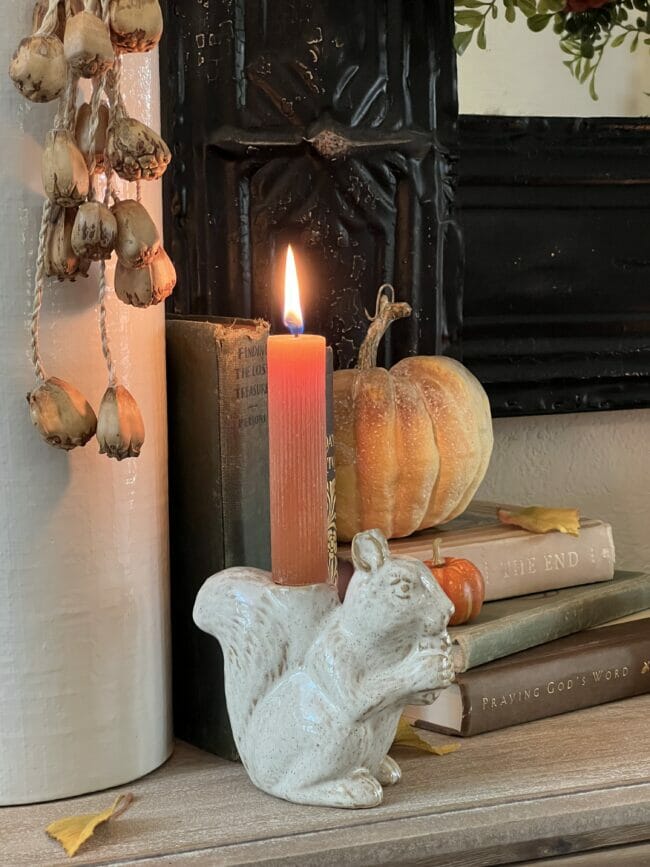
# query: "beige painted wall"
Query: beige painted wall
599,462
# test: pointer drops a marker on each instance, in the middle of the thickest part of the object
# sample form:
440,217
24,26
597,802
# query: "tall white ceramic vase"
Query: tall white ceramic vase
84,633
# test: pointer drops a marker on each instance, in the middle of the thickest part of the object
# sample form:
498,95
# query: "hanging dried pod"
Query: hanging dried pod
138,240
94,232
38,68
120,428
64,170
62,414
136,25
60,259
135,151
82,135
87,45
143,287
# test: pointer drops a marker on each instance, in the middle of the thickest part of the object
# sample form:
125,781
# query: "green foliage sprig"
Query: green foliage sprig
585,27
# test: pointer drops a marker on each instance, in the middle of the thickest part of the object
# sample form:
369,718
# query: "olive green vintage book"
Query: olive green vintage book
510,625
219,497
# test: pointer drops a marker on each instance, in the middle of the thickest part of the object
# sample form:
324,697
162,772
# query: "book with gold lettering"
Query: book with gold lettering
516,562
581,670
219,497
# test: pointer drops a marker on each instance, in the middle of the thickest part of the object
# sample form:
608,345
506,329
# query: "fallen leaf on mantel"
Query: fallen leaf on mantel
405,736
539,520
73,832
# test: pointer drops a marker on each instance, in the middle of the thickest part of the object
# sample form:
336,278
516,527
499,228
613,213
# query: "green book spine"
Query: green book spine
511,625
219,497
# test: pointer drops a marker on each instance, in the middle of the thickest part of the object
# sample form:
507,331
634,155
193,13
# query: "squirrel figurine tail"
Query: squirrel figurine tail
315,687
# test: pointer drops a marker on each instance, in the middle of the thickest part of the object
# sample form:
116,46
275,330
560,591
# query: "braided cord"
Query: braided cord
109,83
50,19
39,280
95,104
103,327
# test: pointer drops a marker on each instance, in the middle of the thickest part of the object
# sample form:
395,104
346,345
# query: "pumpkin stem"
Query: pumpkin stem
386,311
438,559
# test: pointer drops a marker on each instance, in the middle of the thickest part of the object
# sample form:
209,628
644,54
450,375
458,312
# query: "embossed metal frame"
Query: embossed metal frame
262,104
555,214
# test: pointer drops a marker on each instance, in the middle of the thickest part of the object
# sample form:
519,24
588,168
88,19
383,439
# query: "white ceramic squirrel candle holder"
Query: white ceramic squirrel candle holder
315,687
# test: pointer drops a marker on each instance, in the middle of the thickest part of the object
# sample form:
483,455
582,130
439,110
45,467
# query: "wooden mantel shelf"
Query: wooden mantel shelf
551,788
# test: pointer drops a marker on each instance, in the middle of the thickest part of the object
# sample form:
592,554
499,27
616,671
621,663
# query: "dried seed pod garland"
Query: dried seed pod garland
94,232
87,45
143,287
93,151
64,170
138,239
75,228
135,151
61,413
136,25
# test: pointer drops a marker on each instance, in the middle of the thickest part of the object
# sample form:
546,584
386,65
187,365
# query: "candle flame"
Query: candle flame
292,310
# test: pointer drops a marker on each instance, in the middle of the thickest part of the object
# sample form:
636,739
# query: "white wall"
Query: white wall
599,462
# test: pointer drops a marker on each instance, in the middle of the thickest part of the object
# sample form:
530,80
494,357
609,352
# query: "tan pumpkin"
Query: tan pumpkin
412,444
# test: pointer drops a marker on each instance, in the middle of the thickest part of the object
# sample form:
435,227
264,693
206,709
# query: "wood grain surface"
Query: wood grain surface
636,855
549,788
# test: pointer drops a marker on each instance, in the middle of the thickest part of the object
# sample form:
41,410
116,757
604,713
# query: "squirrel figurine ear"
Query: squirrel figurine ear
369,550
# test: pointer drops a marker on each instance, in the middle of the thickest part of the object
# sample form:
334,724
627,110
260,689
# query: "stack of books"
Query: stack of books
560,629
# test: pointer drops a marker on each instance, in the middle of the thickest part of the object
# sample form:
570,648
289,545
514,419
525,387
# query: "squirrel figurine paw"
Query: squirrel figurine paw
314,686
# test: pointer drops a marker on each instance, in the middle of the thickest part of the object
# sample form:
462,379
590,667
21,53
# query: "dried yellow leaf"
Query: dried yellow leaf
73,831
405,736
540,520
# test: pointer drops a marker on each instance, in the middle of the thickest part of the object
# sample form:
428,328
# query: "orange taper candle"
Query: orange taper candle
297,455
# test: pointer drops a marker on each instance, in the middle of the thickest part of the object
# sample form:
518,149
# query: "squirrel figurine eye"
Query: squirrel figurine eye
404,588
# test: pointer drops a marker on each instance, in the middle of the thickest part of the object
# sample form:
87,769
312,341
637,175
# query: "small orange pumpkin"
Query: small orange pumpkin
461,581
